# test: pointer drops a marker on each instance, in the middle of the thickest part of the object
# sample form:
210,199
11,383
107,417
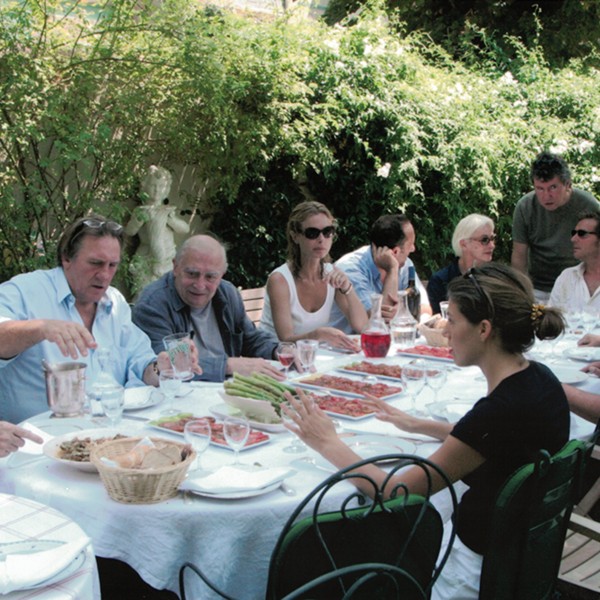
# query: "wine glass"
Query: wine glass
414,378
112,399
236,431
197,434
307,352
286,353
296,445
436,378
170,384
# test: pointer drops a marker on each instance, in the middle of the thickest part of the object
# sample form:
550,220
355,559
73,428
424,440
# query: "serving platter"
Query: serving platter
351,385
372,369
174,424
429,352
226,410
256,410
343,407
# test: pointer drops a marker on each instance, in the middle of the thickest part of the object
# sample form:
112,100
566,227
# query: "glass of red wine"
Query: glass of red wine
286,354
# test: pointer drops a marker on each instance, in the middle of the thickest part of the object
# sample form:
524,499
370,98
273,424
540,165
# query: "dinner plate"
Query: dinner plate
449,411
583,353
371,445
226,410
239,494
141,397
569,375
51,447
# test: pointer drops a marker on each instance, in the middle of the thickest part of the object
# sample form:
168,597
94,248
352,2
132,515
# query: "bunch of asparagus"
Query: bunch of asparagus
258,387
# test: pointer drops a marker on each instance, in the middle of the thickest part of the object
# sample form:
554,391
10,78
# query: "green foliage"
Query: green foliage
365,117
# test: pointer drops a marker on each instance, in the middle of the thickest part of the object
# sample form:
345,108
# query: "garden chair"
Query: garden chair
384,549
529,526
254,300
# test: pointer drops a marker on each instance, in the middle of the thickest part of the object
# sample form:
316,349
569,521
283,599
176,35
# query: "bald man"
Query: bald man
194,297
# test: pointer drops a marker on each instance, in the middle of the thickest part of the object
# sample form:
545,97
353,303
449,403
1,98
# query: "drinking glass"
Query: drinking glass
414,378
197,434
178,347
112,399
236,431
286,353
436,378
170,384
444,309
307,352
296,445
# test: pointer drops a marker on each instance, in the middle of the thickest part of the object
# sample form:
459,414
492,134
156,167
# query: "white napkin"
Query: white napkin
22,571
31,447
231,479
136,397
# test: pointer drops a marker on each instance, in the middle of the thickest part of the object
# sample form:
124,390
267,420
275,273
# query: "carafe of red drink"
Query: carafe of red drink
375,340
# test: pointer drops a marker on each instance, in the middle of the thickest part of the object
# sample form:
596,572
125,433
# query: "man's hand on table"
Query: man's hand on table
247,366
13,437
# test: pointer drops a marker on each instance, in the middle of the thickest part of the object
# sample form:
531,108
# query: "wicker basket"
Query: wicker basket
139,486
433,336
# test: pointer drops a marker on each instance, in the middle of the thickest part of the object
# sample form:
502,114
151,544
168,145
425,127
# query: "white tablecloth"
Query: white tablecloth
22,519
231,539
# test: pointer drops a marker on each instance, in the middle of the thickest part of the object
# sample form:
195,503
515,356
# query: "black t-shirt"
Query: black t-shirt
527,412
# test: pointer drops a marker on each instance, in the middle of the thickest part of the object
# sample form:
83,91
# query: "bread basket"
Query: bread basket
139,486
434,336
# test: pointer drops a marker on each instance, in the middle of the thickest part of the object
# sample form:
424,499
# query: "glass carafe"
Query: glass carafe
403,325
375,340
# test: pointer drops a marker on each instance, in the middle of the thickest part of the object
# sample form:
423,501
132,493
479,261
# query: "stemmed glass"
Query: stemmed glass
296,445
286,353
414,377
170,384
436,378
307,352
236,431
197,434
112,399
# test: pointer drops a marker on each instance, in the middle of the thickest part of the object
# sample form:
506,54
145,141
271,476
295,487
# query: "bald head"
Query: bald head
198,268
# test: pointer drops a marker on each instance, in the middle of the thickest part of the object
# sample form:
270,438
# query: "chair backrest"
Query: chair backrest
254,300
365,549
529,525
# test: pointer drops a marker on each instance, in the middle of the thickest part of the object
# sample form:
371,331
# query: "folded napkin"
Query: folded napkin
23,571
232,479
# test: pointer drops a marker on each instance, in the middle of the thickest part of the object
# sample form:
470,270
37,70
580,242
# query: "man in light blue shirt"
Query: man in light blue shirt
66,313
381,268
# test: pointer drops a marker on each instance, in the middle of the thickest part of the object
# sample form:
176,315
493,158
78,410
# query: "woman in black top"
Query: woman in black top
492,320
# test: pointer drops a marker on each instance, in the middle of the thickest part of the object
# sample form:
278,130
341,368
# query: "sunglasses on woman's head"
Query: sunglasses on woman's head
312,233
582,233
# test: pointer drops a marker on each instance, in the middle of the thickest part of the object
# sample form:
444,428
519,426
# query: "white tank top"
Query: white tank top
303,321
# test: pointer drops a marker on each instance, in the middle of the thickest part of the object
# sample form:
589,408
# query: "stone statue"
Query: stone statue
156,224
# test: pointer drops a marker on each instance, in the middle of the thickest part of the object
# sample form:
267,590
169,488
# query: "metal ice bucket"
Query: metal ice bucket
65,388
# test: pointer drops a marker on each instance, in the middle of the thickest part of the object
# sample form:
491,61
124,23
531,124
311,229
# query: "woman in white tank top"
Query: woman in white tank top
301,292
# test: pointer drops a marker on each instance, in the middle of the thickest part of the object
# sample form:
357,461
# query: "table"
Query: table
22,519
231,540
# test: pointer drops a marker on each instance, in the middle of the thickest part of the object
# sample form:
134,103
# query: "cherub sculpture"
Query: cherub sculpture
156,224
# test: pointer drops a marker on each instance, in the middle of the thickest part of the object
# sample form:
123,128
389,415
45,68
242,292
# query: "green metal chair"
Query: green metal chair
529,525
364,549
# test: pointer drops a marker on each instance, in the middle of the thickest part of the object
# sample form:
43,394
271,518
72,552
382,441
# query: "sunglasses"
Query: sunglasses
94,224
470,275
582,233
485,240
312,233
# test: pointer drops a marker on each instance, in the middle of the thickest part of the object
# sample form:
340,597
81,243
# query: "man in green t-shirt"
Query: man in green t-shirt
543,220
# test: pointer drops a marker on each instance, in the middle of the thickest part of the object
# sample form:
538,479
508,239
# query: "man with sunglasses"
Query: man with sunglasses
578,288
195,297
543,220
66,313
382,267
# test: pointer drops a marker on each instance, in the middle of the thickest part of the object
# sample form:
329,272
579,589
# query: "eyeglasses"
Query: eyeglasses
485,239
482,293
582,233
312,233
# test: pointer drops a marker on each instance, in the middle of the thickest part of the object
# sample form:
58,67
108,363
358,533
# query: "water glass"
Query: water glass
178,347
236,431
307,353
296,445
170,385
112,399
436,378
197,434
414,378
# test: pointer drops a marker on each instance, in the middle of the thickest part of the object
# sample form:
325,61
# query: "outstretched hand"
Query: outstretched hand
72,339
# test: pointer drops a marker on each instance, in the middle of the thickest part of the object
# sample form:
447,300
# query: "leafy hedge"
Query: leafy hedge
362,117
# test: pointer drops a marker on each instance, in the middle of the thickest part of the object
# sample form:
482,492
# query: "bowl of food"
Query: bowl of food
433,331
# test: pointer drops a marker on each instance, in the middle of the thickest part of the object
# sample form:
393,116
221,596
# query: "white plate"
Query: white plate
51,448
449,411
583,353
239,494
257,410
569,375
226,410
370,445
141,397
61,426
